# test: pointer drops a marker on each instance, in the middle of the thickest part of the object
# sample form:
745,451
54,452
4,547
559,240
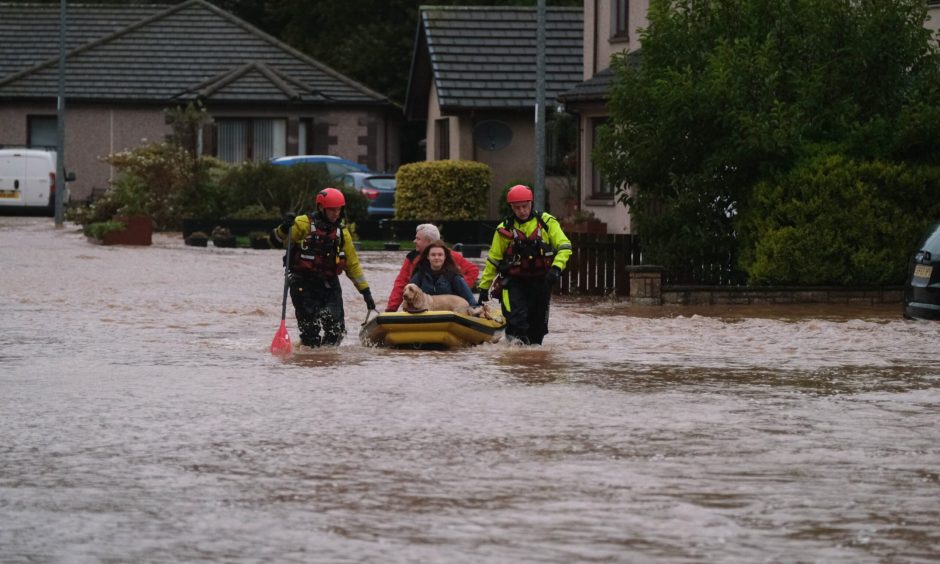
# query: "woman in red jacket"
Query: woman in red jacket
425,234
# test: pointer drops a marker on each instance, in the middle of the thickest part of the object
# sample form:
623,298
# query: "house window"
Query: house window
42,131
442,132
257,140
601,188
619,19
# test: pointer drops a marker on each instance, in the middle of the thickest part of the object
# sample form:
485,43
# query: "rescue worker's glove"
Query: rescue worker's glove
552,276
484,297
367,297
288,222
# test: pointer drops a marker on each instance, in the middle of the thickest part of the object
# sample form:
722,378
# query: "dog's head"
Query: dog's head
414,298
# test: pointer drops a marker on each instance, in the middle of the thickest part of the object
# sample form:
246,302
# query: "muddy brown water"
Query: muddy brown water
142,419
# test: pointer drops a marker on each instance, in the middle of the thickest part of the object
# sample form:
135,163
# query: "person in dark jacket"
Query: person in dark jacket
436,273
322,249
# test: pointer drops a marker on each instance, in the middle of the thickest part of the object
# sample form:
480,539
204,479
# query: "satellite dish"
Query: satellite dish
492,135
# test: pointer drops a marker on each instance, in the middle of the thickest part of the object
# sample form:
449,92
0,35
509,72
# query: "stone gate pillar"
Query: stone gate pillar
646,284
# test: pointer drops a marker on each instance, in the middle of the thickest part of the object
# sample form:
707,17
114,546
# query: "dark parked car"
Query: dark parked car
379,189
334,166
922,291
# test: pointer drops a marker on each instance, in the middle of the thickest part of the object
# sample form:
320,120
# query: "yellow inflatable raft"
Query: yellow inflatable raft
434,329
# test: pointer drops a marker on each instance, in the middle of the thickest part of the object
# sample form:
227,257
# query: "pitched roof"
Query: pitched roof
179,52
597,88
29,33
594,88
485,56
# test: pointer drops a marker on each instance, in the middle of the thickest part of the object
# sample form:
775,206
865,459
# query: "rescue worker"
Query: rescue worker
322,249
526,258
425,234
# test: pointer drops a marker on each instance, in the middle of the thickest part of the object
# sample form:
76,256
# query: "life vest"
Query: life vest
321,251
526,256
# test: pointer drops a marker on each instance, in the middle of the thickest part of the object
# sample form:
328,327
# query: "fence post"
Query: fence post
646,284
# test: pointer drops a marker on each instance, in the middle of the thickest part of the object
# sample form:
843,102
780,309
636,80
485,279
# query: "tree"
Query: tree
730,94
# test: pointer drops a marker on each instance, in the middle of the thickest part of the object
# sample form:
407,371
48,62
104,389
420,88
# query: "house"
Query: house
126,64
473,79
611,27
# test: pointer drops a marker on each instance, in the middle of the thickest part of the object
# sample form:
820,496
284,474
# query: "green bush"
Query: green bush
442,190
99,229
175,184
837,221
254,211
127,196
357,206
273,188
270,191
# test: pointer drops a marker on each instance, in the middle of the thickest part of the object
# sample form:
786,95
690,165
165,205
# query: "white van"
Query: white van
27,179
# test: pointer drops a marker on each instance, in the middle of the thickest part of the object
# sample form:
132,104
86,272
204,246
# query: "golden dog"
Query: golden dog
416,301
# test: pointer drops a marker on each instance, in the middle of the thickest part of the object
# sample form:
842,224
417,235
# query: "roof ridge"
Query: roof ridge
291,87
288,80
211,86
100,41
293,51
221,13
278,80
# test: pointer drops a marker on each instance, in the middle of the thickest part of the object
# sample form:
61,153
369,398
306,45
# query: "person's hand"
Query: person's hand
288,222
367,297
552,276
484,297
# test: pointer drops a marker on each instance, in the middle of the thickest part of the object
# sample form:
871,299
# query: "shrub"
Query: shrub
126,196
99,229
173,184
442,190
255,211
837,221
357,206
270,191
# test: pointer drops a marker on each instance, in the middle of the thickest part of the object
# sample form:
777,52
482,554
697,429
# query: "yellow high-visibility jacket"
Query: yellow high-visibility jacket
353,269
553,235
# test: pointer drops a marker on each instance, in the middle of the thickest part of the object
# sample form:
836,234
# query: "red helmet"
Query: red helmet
519,193
330,198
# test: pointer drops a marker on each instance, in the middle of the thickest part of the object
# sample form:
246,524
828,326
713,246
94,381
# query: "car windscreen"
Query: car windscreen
932,240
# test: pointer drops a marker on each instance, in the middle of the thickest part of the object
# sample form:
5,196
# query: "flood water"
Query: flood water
143,419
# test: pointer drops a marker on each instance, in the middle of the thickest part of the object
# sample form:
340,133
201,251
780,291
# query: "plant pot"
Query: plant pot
138,230
196,241
224,242
260,243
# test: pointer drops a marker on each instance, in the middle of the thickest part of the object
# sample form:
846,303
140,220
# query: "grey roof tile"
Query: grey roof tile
172,53
485,56
597,88
29,32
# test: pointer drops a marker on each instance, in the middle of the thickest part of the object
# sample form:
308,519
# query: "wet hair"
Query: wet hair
449,266
429,230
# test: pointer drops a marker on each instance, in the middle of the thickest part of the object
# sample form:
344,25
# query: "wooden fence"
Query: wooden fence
599,265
